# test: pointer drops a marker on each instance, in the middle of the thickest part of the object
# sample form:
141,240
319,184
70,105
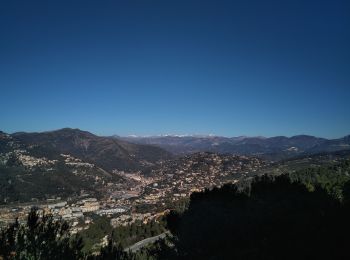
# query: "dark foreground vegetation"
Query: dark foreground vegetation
304,215
276,220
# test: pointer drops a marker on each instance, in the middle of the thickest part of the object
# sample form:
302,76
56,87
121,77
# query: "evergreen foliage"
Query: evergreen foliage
41,238
274,219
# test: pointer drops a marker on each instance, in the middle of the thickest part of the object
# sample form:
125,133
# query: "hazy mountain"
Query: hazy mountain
274,147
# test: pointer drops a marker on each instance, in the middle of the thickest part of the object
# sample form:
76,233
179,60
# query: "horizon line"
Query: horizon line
195,135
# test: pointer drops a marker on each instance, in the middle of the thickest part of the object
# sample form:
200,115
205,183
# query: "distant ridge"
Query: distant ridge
278,147
133,152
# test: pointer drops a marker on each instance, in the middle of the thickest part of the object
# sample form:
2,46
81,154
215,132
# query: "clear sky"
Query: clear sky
154,67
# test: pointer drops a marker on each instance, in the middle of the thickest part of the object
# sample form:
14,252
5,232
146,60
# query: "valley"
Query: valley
79,177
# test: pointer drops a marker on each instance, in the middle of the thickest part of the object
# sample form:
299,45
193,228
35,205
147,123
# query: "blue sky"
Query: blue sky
154,67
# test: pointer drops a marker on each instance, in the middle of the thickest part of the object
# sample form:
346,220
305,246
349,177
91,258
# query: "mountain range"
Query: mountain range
67,162
134,153
275,148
